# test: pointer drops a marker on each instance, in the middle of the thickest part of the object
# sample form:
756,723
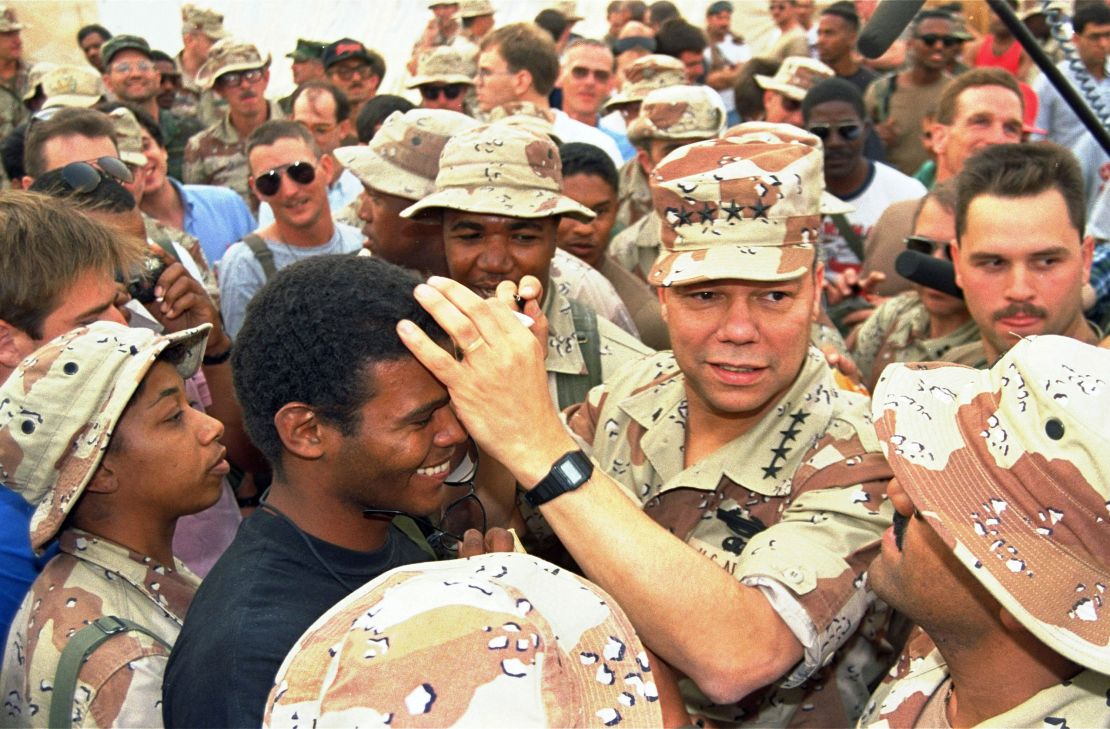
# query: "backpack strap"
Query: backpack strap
262,254
572,389
851,237
77,651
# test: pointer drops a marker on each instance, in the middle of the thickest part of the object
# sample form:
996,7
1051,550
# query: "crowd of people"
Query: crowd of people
668,378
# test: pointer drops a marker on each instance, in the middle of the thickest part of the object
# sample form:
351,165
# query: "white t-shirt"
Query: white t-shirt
572,130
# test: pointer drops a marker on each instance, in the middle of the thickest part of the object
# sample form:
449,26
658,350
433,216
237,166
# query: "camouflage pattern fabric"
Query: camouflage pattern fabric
796,76
217,156
164,234
444,64
579,281
121,683
678,113
227,56
206,21
176,132
795,507
633,195
193,100
654,71
637,246
66,85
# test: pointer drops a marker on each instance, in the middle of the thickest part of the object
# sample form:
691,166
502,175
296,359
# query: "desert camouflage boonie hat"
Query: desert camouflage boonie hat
498,169
129,136
503,639
208,22
228,56
568,9
645,75
796,76
1011,467
443,65
34,78
59,407
8,21
679,112
746,207
403,157
526,115
475,8
76,86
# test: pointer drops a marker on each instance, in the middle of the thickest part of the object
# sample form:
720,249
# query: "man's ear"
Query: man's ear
14,345
660,291
345,129
327,166
522,81
818,288
1009,622
104,480
644,159
301,431
938,137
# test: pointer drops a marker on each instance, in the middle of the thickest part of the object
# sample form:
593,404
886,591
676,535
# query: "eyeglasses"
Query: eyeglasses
790,105
346,73
84,177
450,92
236,78
128,67
600,75
269,182
847,132
927,246
930,39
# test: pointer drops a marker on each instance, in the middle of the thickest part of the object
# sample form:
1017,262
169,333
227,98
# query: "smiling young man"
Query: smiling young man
355,69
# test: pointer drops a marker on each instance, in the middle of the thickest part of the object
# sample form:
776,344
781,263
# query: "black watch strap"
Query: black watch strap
568,473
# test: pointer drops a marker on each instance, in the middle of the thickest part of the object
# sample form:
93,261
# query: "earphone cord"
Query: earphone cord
263,504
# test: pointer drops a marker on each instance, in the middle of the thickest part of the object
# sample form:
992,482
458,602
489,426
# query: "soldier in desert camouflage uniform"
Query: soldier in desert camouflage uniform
13,86
739,443
999,550
86,423
200,29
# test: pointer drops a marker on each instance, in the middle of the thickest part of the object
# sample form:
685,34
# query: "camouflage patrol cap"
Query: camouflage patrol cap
119,43
34,78
475,8
228,56
746,206
129,136
403,157
503,639
443,65
208,22
654,71
679,112
796,76
498,169
65,85
59,407
1011,467
1028,8
8,21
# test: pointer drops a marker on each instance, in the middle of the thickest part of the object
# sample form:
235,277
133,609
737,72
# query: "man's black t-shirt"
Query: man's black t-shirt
262,594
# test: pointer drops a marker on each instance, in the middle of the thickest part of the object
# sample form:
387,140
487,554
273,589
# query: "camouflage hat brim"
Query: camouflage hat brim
743,262
207,79
506,201
965,445
768,83
80,101
375,172
620,99
446,78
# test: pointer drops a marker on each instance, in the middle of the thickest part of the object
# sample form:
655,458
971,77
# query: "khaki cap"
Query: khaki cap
498,169
129,136
1011,467
228,56
66,85
1029,8
59,407
475,8
647,74
679,112
206,21
443,65
568,9
403,157
8,21
796,76
34,78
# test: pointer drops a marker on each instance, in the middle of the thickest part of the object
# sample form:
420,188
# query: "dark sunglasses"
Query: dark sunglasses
927,246
930,39
450,92
600,75
84,177
847,132
790,105
233,79
269,182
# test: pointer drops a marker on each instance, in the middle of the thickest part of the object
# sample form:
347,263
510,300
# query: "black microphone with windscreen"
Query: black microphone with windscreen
891,17
930,271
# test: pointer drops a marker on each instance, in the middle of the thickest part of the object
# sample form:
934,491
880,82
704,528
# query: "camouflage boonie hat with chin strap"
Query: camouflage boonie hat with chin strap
228,56
679,112
498,169
796,76
403,157
747,206
647,74
59,407
1011,467
503,639
77,86
443,65
34,78
206,21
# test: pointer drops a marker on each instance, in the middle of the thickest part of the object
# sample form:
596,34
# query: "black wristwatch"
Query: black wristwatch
568,473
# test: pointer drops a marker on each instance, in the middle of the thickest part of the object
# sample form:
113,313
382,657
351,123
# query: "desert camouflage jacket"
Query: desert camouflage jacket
634,196
217,156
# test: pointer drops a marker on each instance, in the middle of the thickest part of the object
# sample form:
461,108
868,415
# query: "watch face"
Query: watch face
569,470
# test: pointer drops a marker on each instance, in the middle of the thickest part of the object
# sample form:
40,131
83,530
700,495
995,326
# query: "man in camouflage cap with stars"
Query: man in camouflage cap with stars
1000,549
739,443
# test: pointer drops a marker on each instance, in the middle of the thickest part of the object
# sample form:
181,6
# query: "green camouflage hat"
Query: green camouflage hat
645,75
34,78
499,169
129,136
503,639
746,206
118,43
443,65
475,8
206,21
403,157
796,76
59,407
8,21
79,86
1011,467
228,56
679,112
307,50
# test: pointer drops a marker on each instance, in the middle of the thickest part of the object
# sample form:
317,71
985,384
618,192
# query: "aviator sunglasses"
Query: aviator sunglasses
84,177
269,182
450,91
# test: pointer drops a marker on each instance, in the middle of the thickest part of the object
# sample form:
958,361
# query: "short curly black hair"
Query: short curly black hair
312,333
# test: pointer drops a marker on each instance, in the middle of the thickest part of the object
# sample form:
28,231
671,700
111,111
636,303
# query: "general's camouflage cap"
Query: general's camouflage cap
796,76
206,21
679,112
118,43
129,136
443,65
59,407
403,157
647,74
307,50
1011,467
526,115
503,639
228,56
8,21
747,206
78,86
34,78
498,169
475,8
568,9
